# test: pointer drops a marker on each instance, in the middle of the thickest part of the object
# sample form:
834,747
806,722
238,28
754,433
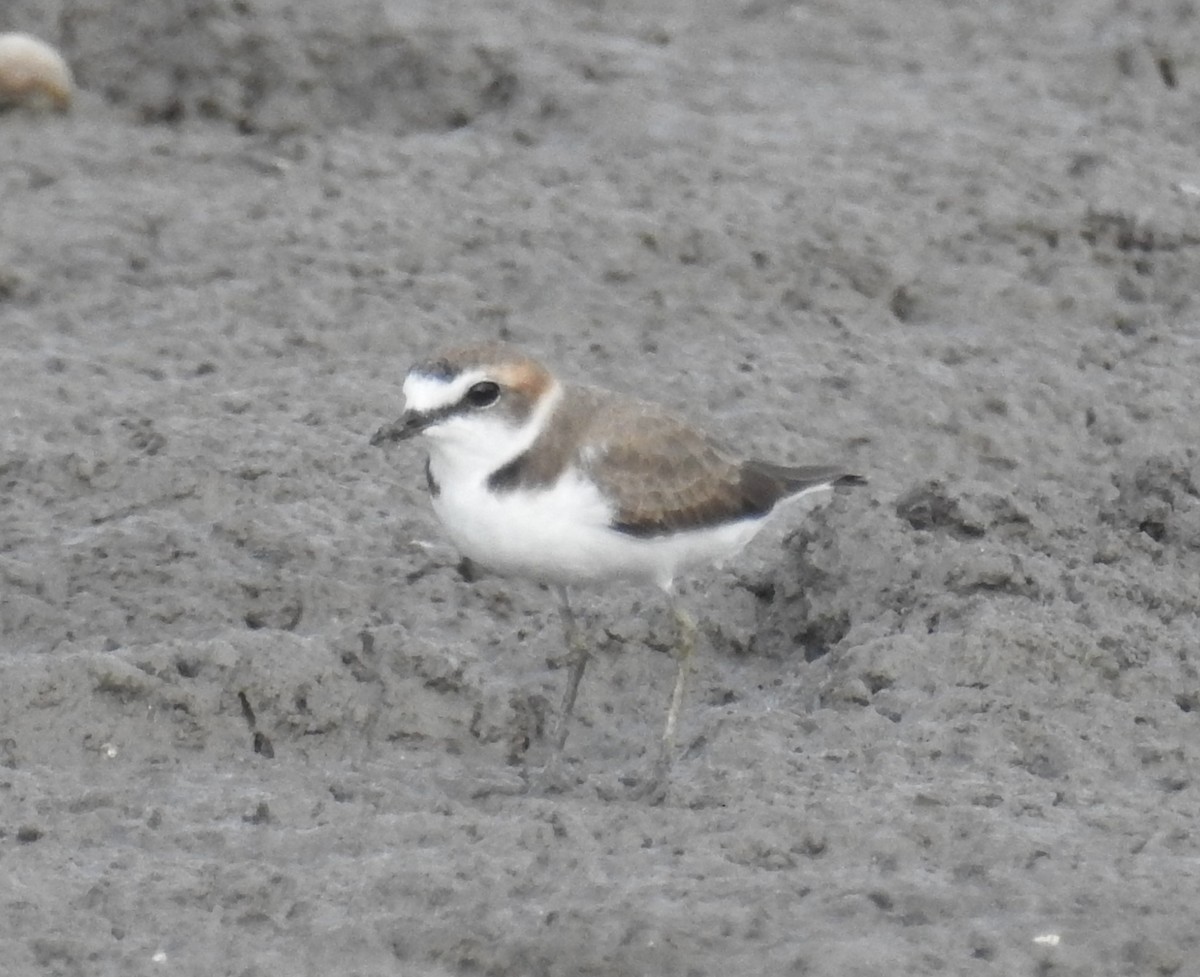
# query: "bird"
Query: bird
569,485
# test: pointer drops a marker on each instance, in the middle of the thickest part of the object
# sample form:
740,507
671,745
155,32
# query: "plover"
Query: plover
564,484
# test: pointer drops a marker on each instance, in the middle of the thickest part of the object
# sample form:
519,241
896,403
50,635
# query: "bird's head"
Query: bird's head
480,406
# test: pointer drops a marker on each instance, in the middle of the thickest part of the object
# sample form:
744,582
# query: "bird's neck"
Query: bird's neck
468,452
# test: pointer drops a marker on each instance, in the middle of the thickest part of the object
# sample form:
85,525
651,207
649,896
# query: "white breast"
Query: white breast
561,534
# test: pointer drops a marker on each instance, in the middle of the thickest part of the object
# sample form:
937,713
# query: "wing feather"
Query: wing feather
661,474
672,477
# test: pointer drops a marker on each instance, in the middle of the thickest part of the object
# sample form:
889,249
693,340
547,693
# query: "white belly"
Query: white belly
562,535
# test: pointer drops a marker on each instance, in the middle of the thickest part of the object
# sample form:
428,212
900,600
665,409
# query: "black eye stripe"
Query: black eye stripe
482,394
464,405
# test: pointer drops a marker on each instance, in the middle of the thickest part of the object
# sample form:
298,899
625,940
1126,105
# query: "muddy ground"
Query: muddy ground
256,721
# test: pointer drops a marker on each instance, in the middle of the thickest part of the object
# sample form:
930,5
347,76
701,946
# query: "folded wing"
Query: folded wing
672,478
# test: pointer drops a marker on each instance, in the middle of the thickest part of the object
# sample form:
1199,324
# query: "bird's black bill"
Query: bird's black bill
410,425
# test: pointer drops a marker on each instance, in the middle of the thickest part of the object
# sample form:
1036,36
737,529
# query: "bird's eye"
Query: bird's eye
483,394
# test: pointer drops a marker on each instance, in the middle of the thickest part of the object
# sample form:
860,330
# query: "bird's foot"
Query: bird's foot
553,778
651,786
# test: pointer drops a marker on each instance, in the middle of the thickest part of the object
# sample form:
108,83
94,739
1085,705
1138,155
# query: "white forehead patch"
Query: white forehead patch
425,393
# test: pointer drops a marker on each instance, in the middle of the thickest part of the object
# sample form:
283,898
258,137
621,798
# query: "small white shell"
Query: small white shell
31,71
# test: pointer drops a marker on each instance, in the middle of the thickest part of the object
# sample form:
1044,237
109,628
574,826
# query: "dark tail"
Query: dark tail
805,478
763,484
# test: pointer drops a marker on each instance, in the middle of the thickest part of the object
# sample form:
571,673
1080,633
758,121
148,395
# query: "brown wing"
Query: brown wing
662,474
671,477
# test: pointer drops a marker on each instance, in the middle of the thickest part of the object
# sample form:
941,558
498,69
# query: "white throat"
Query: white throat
468,448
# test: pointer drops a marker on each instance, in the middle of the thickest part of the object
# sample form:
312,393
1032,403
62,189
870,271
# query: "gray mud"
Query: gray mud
254,719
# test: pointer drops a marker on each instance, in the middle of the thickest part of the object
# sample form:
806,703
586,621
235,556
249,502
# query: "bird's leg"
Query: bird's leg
551,777
685,645
578,656
654,789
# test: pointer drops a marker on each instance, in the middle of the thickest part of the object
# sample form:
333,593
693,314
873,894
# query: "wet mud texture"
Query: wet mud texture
255,718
